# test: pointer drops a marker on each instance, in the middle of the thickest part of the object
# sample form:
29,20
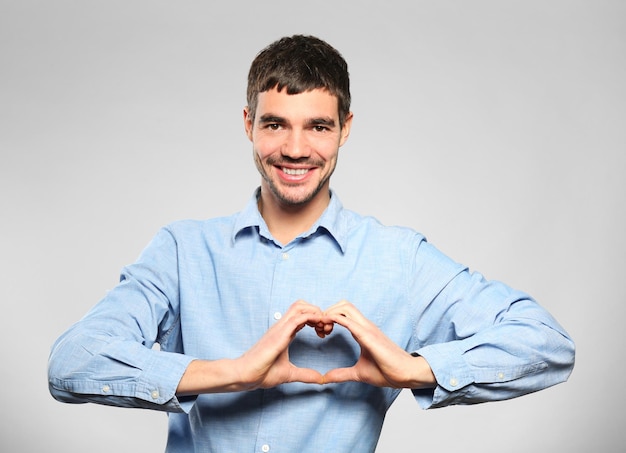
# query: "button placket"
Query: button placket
277,307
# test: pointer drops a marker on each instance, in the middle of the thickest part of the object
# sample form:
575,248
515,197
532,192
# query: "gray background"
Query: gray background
496,128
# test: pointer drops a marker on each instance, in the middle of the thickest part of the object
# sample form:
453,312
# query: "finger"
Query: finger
302,315
303,306
339,305
346,309
349,323
279,336
337,375
326,327
322,328
365,332
306,375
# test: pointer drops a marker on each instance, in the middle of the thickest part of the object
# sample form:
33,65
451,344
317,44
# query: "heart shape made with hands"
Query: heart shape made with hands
340,355
360,352
302,354
323,349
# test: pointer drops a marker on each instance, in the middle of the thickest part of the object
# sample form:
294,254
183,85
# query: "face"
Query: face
296,140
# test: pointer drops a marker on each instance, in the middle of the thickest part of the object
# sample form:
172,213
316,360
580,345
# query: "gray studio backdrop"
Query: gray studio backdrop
496,128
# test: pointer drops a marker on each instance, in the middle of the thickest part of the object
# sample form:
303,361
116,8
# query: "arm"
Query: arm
498,344
480,340
107,356
509,359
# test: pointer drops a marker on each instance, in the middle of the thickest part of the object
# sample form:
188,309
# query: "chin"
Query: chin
296,198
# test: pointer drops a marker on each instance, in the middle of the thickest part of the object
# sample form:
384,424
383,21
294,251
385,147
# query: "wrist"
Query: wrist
421,374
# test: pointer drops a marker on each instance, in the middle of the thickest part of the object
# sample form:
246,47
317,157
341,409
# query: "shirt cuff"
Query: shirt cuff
452,373
154,387
160,379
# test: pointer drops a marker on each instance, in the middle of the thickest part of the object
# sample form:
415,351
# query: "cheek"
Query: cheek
329,150
263,148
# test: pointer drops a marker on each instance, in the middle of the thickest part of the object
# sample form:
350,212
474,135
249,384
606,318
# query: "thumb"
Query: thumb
340,375
306,375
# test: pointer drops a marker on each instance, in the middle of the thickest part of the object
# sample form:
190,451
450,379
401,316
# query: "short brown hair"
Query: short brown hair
300,63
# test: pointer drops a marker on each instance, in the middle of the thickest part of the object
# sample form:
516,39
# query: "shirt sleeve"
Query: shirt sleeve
108,356
484,340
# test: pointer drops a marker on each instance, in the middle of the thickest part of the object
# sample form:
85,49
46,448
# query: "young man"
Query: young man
294,324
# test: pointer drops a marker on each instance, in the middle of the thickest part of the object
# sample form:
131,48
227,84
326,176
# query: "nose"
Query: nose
296,146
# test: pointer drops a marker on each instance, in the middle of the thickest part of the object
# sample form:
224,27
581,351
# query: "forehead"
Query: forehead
315,103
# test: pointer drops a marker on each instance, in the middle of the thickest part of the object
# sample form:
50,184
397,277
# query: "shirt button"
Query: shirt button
106,388
277,316
285,256
154,394
454,382
500,375
265,448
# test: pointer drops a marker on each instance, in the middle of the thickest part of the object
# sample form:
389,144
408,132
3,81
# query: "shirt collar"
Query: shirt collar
331,220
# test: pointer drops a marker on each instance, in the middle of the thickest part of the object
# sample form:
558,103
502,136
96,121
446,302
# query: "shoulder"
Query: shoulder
181,228
370,228
190,233
402,244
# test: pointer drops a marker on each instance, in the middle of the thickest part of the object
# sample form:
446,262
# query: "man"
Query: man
294,324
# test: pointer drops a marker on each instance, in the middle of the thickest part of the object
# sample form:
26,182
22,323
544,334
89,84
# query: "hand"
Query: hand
382,362
267,363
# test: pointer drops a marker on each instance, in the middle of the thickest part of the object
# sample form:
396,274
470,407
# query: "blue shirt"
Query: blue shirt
210,289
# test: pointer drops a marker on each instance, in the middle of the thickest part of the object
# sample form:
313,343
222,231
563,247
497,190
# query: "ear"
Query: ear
248,122
345,129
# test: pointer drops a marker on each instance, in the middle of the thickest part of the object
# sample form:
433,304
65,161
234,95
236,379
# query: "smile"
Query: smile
295,171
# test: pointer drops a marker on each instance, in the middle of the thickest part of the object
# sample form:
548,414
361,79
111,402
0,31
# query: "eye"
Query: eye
273,126
318,128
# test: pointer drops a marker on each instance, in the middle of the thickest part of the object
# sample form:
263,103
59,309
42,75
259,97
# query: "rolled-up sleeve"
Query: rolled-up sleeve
487,342
108,356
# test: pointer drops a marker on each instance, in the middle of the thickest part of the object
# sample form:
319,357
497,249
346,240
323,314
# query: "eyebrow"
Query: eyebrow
322,121
266,119
329,122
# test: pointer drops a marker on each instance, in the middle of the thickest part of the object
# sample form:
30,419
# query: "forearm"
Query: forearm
211,376
503,363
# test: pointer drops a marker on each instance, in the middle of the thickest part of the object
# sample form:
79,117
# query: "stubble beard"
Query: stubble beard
284,198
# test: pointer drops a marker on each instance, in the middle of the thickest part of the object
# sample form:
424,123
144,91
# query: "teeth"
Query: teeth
295,171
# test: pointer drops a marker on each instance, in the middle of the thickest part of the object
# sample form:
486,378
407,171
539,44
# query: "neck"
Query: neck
287,221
